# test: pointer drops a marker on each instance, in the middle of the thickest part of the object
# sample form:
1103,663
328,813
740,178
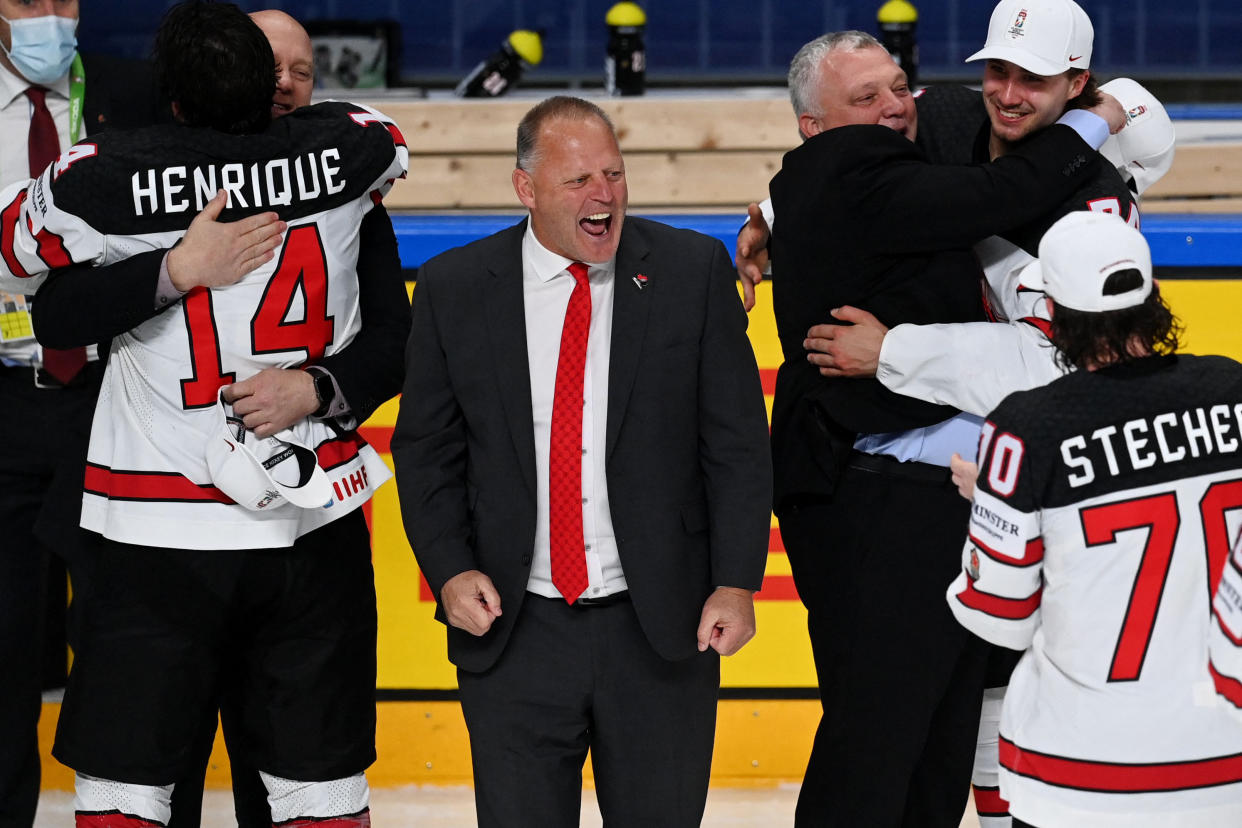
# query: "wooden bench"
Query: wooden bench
711,152
1205,178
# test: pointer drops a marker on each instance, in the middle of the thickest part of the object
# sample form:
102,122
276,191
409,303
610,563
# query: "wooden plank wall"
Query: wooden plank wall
717,152
693,153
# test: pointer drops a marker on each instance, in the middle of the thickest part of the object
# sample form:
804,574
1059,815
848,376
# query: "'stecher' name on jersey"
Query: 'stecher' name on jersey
279,182
1171,437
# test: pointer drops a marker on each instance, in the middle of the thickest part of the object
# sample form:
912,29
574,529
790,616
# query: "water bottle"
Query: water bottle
494,76
625,65
898,21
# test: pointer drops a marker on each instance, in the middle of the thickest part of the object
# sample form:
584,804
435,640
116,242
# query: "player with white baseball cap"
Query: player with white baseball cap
1101,522
1038,55
1047,37
1038,59
1078,258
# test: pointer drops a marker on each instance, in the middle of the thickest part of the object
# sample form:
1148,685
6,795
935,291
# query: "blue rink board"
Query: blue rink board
1176,240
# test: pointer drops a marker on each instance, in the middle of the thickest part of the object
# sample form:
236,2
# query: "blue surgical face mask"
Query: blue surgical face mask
43,47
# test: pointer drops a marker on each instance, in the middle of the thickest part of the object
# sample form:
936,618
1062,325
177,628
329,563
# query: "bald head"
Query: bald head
295,64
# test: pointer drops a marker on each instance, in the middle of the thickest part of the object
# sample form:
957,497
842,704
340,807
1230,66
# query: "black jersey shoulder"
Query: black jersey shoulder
129,182
950,117
1144,423
1106,191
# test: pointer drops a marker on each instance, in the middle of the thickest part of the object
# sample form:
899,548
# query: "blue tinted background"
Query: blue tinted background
720,39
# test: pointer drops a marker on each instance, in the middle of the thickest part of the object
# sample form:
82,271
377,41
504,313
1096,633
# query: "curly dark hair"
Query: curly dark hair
216,65
1083,338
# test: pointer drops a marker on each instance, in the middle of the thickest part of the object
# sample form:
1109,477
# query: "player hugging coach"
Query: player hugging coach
1098,532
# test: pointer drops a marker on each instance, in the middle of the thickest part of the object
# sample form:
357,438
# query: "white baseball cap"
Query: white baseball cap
1078,254
264,473
1046,37
1144,149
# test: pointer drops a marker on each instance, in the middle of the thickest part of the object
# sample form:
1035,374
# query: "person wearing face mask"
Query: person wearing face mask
50,97
343,388
288,633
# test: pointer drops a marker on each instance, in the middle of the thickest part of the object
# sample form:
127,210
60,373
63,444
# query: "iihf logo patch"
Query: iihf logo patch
973,568
269,497
1018,23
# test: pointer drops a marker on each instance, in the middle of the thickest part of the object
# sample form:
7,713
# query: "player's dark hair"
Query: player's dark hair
216,65
1090,95
558,106
1083,338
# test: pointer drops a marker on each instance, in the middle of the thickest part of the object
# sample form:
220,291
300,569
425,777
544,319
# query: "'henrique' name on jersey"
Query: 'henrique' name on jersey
279,182
1171,437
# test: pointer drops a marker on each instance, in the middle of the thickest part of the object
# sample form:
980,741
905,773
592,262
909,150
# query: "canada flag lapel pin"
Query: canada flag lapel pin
641,281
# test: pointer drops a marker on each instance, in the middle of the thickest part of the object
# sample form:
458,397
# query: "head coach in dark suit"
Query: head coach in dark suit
582,469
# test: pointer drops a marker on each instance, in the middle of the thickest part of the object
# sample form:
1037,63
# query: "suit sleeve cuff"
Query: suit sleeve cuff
165,292
1090,127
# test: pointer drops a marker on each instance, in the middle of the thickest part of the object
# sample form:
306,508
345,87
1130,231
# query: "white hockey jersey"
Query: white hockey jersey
1102,518
321,168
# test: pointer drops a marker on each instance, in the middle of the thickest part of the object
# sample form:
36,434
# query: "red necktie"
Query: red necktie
568,553
42,148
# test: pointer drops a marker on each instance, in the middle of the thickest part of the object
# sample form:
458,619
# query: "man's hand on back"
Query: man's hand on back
218,253
846,350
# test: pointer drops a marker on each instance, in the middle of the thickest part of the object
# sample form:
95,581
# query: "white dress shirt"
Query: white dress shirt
16,110
546,286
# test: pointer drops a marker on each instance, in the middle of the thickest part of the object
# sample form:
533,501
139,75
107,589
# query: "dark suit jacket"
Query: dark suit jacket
865,220
687,467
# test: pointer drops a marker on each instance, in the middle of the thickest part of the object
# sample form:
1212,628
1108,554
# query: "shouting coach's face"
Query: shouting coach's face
576,190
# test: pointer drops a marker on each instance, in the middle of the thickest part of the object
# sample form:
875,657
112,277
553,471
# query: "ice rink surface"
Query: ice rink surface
445,807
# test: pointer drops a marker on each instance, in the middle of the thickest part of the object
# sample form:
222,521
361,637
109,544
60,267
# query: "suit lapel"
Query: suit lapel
631,309
506,322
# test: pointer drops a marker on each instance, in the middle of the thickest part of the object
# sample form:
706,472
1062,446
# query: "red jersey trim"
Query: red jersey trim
1031,555
153,486
989,802
116,484
1010,609
111,819
1227,686
339,450
9,228
1118,777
